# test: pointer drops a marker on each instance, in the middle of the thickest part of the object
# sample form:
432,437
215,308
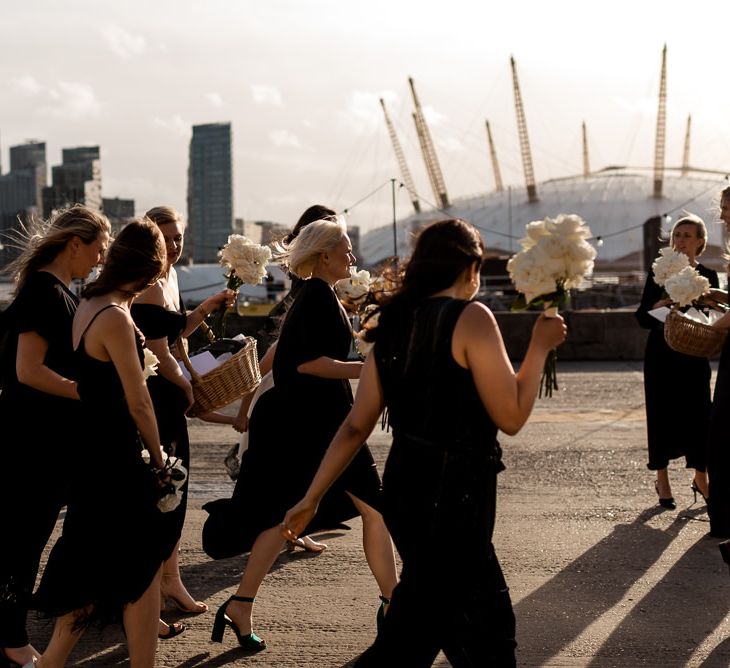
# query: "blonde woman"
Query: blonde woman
312,393
39,394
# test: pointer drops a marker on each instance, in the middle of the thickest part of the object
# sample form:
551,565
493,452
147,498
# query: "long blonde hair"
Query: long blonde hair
300,256
40,241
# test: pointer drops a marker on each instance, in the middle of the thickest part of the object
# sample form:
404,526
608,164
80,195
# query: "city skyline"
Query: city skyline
300,85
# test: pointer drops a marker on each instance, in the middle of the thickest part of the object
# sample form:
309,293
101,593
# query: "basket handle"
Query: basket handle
182,347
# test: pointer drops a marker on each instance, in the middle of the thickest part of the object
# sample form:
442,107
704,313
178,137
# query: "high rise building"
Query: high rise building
210,191
21,190
118,211
76,181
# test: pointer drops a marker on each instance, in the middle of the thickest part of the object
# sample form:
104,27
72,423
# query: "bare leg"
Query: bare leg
174,589
140,624
378,547
263,554
63,640
700,480
663,486
21,655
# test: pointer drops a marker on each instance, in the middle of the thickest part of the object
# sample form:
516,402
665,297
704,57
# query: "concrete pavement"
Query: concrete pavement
599,574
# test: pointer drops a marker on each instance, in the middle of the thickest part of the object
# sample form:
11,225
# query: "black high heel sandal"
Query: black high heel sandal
380,618
697,491
667,503
250,641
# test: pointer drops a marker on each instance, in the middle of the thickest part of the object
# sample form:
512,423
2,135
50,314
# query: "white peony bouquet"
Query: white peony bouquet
170,495
151,363
668,264
354,290
245,262
555,257
686,286
369,320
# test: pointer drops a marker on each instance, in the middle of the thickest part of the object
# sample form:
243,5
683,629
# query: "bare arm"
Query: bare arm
507,396
113,332
326,367
222,299
356,428
31,370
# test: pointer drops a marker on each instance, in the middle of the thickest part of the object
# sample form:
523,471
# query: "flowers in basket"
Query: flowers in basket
555,257
245,262
369,320
668,264
169,493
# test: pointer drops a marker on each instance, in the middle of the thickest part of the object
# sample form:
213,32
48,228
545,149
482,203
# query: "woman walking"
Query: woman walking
311,388
106,564
440,367
39,395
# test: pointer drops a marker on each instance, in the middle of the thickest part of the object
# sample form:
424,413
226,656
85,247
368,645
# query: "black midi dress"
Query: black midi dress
170,404
674,382
110,548
290,429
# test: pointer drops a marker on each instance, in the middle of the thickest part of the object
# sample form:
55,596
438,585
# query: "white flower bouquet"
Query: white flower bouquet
686,286
369,319
170,494
353,291
668,264
151,363
555,257
245,262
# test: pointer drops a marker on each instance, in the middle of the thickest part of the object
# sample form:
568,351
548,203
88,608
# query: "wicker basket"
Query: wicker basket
226,383
692,338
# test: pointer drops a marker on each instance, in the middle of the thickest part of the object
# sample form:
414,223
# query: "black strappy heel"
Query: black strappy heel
249,641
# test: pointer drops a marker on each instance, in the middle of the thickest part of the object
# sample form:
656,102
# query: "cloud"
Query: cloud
363,110
123,43
266,95
284,138
27,85
644,106
433,117
176,125
215,99
71,100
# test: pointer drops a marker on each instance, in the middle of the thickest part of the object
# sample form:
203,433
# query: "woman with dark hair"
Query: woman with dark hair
160,313
38,379
311,388
440,367
670,439
106,564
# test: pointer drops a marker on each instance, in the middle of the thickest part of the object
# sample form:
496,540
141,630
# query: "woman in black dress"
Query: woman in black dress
440,367
106,564
718,462
38,380
312,394
160,314
669,438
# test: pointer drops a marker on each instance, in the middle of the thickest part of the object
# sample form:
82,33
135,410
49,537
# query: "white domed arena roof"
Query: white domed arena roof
614,202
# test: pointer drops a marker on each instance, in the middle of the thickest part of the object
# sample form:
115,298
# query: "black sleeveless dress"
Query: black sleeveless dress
290,429
439,488
109,550
718,464
170,403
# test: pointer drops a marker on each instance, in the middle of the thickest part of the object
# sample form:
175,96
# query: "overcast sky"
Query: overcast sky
300,82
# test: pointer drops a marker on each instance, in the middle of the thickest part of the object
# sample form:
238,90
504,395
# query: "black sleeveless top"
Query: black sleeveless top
430,398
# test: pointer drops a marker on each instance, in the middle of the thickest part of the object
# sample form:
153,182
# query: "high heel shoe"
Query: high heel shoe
307,544
199,608
697,491
174,629
249,641
667,503
380,618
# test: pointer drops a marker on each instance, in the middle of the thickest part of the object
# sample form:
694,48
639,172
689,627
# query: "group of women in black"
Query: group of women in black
438,366
703,439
